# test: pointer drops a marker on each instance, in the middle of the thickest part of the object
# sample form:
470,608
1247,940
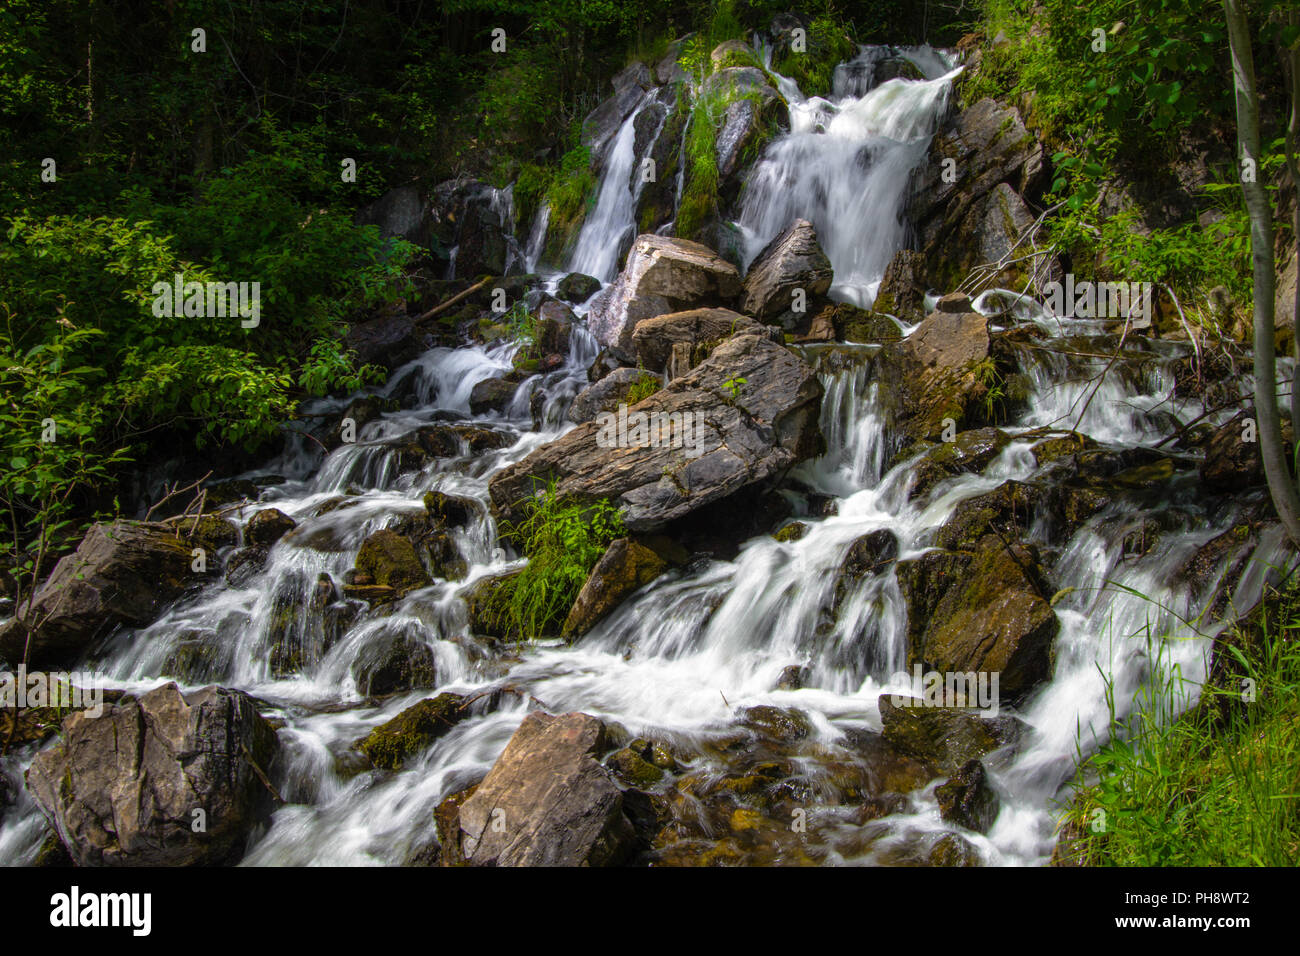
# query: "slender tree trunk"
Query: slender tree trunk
1281,488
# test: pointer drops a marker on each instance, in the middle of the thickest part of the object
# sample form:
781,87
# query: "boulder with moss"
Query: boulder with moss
391,744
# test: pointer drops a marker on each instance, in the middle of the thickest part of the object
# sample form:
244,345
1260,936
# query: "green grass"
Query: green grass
563,539
1219,785
643,387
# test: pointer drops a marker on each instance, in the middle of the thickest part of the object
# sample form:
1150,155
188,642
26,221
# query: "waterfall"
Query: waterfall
845,166
684,653
611,225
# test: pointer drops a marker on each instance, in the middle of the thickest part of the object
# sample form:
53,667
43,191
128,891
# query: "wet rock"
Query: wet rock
870,553
447,818
954,850
1009,510
389,558
794,260
967,799
434,546
267,527
981,610
547,801
775,723
244,565
450,511
937,374
483,603
699,329
604,363
794,531
851,324
730,53
207,531
1053,449
902,291
605,395
626,566
361,412
388,340
390,745
555,321
1231,464
792,677
734,82
633,769
121,789
491,395
946,738
123,573
759,405
394,665
602,124
661,275
886,768
577,288
969,452
471,216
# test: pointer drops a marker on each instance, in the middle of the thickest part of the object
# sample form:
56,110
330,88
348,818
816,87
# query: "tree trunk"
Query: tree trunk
1280,486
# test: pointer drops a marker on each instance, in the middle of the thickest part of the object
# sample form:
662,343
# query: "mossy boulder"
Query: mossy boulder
448,510
1009,510
390,745
389,559
851,324
633,769
206,530
268,526
776,723
945,738
981,610
626,565
577,288
794,531
969,451
485,602
491,395
967,799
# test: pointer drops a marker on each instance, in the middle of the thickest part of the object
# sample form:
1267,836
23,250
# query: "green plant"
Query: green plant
1216,786
562,539
645,386
733,385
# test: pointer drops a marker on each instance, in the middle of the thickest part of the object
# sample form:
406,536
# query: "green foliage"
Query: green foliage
573,188
563,539
646,385
699,203
814,69
1217,786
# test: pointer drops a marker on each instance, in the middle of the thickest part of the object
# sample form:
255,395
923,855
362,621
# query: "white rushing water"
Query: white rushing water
846,165
679,659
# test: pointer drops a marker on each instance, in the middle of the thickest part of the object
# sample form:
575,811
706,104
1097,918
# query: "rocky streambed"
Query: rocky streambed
938,483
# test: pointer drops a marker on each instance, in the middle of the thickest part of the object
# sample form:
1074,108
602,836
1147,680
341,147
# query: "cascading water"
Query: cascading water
678,659
609,228
845,166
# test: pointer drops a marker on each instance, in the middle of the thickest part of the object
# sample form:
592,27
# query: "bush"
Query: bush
563,539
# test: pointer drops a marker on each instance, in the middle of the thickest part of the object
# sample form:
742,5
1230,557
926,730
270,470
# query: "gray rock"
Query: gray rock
605,395
123,573
400,213
661,275
123,789
758,404
654,339
793,260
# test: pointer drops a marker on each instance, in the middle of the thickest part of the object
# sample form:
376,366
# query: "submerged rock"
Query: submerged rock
123,789
753,407
547,801
967,799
